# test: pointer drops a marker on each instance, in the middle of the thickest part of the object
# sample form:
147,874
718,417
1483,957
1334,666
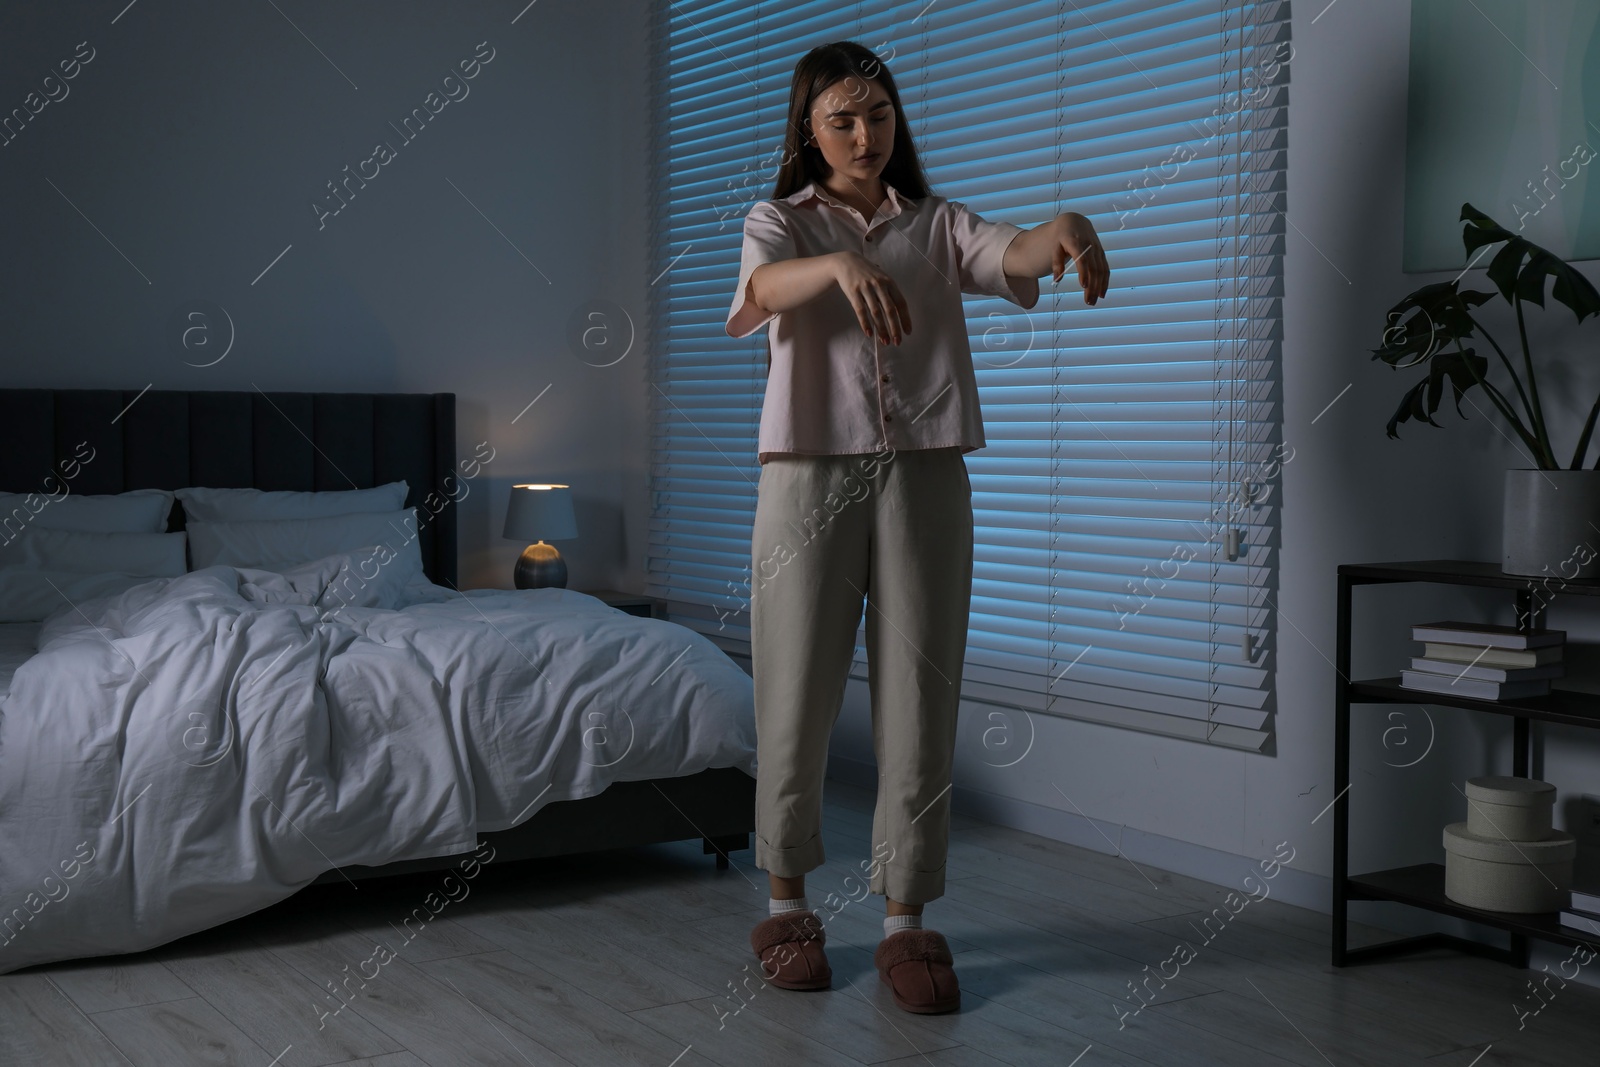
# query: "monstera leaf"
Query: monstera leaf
1422,399
1430,325
1521,267
1426,322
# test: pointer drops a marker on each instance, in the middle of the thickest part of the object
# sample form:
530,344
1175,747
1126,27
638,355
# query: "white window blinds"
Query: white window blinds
1126,503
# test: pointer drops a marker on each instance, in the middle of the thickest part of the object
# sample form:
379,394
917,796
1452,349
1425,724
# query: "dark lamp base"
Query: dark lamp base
539,567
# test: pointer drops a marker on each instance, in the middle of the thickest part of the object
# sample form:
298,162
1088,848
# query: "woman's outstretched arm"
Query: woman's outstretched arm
792,282
880,307
1050,246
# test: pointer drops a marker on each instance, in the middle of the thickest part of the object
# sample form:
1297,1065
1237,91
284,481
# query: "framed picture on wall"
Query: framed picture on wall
1503,112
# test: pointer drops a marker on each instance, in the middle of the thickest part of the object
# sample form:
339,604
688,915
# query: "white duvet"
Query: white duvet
198,748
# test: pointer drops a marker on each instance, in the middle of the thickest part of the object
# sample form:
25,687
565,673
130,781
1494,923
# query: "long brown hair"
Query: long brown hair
819,68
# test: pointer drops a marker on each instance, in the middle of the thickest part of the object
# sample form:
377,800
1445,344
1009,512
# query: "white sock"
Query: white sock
778,907
892,923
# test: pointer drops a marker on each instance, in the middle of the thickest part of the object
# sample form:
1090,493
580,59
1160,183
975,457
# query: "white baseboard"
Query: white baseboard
1180,857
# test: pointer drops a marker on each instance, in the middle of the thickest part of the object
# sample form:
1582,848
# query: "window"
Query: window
1125,506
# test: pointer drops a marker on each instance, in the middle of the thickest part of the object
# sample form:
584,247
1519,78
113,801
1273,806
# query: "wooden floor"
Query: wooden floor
642,957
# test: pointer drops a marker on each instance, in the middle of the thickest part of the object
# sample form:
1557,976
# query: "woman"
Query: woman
870,404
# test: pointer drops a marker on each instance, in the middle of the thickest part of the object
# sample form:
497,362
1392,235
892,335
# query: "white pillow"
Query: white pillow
148,555
138,511
278,544
260,505
30,595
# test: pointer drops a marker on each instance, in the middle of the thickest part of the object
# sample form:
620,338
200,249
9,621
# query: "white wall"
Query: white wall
199,135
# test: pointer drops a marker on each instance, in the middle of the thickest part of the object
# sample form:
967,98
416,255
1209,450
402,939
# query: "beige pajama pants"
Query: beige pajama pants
894,528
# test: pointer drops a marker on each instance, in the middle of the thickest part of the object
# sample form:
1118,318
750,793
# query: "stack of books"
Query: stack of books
1584,914
1483,661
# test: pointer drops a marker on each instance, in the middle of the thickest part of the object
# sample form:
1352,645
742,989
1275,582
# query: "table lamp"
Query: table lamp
535,513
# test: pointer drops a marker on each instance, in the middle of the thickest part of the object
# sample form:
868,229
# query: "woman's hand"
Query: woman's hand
880,307
1076,241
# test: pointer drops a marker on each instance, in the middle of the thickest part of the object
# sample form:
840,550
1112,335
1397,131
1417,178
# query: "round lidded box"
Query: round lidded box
1510,876
1509,809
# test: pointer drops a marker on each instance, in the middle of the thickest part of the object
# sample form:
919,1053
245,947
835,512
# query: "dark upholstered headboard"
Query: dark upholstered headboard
226,440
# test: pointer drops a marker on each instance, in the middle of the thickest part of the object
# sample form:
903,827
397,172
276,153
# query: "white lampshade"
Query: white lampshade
540,513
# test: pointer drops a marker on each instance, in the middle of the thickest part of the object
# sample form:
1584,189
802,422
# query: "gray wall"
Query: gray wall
186,155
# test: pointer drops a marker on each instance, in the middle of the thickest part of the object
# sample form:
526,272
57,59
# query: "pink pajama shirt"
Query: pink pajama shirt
833,389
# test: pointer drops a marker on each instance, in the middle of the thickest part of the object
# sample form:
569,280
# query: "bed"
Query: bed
690,776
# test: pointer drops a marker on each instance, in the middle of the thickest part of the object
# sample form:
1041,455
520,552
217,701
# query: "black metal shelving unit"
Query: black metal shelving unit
1422,886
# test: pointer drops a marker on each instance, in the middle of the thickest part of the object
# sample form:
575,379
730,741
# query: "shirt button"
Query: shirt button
888,418
885,377
869,236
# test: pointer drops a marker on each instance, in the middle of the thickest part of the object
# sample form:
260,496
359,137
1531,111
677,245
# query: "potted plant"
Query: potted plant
1551,521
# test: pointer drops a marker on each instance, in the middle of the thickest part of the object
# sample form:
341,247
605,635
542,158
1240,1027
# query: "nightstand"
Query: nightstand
646,607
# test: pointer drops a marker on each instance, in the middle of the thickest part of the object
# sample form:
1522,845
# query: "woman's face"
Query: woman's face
853,123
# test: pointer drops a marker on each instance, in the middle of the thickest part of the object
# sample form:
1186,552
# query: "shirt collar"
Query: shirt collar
892,206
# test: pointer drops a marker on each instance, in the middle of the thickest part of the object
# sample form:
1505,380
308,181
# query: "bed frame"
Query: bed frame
155,439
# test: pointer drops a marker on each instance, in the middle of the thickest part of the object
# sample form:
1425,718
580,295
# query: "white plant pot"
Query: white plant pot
1551,523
